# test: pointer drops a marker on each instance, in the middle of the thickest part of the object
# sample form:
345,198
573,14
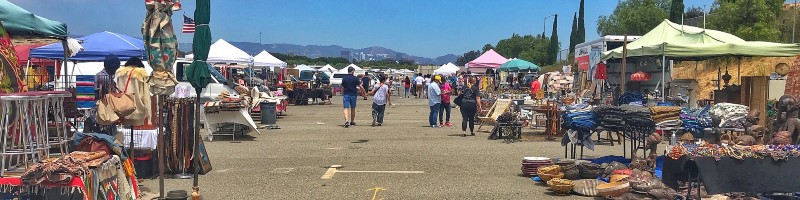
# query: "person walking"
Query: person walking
470,104
427,84
407,85
365,83
351,86
445,107
434,101
382,96
419,81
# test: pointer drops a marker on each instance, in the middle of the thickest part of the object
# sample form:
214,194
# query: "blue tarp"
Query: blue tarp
96,47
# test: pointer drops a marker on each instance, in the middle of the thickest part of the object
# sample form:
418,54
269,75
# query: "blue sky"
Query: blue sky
426,28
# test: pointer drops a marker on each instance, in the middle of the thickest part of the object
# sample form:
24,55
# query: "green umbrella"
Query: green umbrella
518,65
198,73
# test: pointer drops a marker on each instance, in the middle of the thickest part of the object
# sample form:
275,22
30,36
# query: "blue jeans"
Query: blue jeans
407,90
444,108
434,114
377,112
349,101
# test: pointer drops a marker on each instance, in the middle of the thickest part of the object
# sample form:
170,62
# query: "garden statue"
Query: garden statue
787,117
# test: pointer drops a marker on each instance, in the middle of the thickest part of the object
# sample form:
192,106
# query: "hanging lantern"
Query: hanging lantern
640,76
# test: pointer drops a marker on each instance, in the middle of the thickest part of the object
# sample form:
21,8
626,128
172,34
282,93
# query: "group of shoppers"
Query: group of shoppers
437,89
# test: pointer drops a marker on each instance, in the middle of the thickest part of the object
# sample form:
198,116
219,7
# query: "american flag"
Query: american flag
188,25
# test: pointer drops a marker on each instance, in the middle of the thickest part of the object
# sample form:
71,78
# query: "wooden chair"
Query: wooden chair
498,108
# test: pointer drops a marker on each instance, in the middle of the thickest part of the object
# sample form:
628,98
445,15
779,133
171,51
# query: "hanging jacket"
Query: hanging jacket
139,89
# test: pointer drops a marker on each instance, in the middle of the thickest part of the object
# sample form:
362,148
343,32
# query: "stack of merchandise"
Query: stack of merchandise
85,91
639,122
632,98
666,116
730,115
611,118
580,120
530,164
695,120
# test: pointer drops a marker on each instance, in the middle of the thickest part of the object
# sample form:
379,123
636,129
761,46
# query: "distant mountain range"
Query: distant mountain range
315,51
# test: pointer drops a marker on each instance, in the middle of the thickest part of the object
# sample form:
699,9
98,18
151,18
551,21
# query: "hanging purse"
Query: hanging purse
121,103
105,114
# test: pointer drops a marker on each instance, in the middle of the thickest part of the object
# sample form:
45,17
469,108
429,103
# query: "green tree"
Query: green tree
748,19
466,57
694,12
632,17
573,37
552,51
486,47
581,35
537,54
676,11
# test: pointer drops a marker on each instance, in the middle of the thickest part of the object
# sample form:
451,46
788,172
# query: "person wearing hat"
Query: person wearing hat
351,87
434,100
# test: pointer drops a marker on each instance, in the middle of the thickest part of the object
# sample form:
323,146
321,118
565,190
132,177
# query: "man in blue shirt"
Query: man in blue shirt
434,100
365,83
351,86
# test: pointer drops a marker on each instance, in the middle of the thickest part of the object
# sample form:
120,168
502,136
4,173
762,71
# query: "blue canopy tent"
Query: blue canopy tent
96,47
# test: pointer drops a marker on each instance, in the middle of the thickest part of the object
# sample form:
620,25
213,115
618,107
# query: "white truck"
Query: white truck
217,85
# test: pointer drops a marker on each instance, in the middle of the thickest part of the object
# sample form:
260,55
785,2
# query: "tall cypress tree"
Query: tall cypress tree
581,35
676,11
573,38
553,49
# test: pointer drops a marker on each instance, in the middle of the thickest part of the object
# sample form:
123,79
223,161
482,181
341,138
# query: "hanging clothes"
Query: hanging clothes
600,71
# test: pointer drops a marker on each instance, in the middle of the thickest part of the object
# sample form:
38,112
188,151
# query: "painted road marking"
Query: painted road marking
334,169
377,189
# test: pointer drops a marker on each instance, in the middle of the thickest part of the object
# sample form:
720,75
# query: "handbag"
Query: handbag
105,114
458,99
162,82
121,103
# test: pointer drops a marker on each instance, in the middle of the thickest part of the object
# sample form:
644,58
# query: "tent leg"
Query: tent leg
739,71
663,77
66,57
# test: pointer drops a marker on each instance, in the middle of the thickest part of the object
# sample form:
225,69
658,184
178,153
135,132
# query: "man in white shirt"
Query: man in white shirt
427,83
419,81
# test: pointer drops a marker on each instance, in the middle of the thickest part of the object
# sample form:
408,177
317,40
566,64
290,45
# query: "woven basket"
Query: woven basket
611,190
550,169
548,177
586,187
561,189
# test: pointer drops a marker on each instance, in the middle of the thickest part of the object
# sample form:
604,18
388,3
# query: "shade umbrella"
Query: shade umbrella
161,45
198,73
519,65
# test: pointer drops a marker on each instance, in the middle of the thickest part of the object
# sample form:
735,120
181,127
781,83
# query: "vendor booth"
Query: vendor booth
709,147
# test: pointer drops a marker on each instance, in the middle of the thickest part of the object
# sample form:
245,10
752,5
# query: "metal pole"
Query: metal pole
663,75
196,144
624,63
160,150
794,18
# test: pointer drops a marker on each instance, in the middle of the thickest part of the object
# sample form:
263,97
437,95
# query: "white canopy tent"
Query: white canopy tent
303,68
356,67
224,52
265,59
447,69
328,69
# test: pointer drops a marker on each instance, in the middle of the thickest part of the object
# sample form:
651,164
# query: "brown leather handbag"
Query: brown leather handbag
121,103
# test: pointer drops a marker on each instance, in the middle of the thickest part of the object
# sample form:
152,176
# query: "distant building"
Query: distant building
346,55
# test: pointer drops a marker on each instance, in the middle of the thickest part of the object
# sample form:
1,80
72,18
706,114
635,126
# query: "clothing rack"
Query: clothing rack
179,134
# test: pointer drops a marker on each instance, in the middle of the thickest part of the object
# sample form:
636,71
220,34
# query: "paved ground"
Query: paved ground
288,163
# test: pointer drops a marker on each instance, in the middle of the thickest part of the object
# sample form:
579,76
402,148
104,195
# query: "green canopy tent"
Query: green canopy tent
20,22
519,65
682,42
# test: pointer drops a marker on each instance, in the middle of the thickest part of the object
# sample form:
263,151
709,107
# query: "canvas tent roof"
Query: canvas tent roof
687,42
356,67
224,52
303,68
265,59
328,68
447,69
489,59
96,47
19,21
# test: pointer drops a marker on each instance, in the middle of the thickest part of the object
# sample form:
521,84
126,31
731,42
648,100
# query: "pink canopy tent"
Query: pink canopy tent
489,59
